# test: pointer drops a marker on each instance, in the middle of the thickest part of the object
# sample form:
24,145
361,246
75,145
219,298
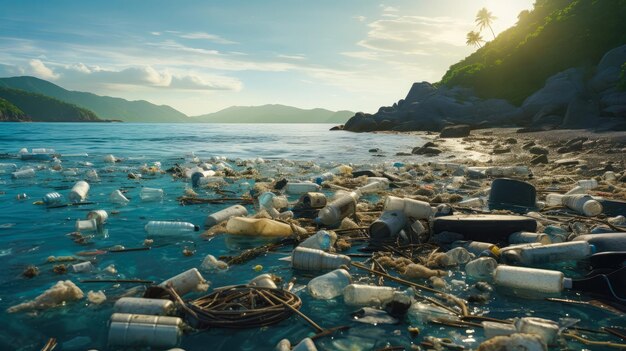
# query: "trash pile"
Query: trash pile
450,255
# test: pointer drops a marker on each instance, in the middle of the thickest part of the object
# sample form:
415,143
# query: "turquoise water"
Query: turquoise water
29,233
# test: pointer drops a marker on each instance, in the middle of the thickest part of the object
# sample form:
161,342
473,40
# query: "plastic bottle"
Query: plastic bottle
198,175
412,208
556,233
117,197
588,184
492,329
308,259
52,199
313,200
301,188
329,285
477,247
82,267
338,209
584,204
135,330
156,228
137,305
546,329
224,215
151,194
187,281
559,252
554,200
367,295
524,278
109,159
23,173
101,217
387,225
372,187
481,268
79,191
528,237
473,202
322,240
259,227
609,176
459,255
7,168
576,190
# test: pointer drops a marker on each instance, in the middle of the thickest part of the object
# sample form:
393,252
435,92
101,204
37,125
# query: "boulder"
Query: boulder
457,131
386,124
559,90
425,150
539,159
582,112
361,122
608,70
339,127
538,150
419,92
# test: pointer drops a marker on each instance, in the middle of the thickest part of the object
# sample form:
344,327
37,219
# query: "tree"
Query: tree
474,38
484,19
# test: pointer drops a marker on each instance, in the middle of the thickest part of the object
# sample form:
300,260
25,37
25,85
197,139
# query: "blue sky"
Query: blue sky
201,56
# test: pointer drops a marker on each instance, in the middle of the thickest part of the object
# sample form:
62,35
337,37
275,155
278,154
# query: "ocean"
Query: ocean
31,233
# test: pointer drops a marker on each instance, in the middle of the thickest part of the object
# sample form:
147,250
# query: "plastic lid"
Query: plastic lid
196,228
567,283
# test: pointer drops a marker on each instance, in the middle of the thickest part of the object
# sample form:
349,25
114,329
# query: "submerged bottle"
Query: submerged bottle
23,173
528,237
481,268
117,197
151,194
559,252
52,199
329,285
532,279
170,228
338,209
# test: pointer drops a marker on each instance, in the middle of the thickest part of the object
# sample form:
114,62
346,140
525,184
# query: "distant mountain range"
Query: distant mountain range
20,105
93,106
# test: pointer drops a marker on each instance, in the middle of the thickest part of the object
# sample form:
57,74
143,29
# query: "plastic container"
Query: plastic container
135,330
559,252
484,228
86,225
186,282
459,255
301,188
263,281
101,217
157,228
322,240
258,227
387,226
584,204
531,279
83,267
587,184
605,242
329,285
481,268
313,200
528,237
197,177
137,305
475,202
79,191
372,187
477,247
492,329
338,209
367,295
512,195
546,329
23,174
109,159
151,194
53,199
117,197
308,259
7,168
224,215
412,208
576,190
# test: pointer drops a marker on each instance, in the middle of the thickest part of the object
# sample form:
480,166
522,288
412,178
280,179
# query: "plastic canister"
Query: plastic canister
492,329
225,214
86,225
188,281
544,328
312,259
559,252
79,191
130,330
137,305
313,200
329,285
388,225
151,194
338,209
528,237
481,268
101,217
117,197
412,208
524,278
52,199
367,295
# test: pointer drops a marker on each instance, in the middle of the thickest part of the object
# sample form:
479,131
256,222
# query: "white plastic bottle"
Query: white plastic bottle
481,268
308,259
584,204
101,217
186,282
367,295
117,197
528,237
411,208
588,184
329,285
338,209
224,215
7,168
301,188
157,228
559,252
372,187
138,305
531,279
23,173
79,191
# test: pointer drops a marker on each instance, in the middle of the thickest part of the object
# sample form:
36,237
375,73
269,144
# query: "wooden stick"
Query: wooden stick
302,315
595,343
138,281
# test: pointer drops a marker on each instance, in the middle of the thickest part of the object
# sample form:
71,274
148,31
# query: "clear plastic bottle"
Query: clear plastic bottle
301,188
329,285
224,215
411,208
576,190
473,202
372,187
588,184
554,200
338,209
158,228
7,168
367,295
559,252
117,197
556,233
322,240
459,255
477,247
481,268
528,237
23,173
79,191
53,199
308,259
532,279
151,194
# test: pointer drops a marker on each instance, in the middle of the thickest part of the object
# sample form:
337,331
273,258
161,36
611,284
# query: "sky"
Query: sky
200,56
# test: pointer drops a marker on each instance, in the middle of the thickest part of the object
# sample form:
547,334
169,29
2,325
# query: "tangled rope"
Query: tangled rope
242,306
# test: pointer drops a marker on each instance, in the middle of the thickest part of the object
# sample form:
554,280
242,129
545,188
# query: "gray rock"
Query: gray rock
458,131
504,150
426,151
528,145
510,141
559,90
582,112
361,122
539,159
608,70
538,150
386,125
419,92
577,146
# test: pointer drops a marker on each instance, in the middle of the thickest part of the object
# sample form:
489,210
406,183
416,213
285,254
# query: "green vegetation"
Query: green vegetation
474,38
554,36
46,109
10,112
484,18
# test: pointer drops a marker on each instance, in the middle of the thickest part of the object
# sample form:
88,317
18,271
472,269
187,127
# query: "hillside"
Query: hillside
104,106
10,113
554,36
274,114
46,109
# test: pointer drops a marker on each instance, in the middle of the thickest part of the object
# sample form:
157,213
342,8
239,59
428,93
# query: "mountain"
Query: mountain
10,112
104,106
273,114
41,108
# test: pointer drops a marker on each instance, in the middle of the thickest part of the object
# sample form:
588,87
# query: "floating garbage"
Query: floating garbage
117,197
224,215
136,330
60,293
79,191
145,306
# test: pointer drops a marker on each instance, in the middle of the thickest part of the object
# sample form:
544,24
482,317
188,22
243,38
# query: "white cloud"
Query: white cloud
360,18
207,36
292,57
39,69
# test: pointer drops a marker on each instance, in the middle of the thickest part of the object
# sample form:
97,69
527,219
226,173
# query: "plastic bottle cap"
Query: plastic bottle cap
593,249
567,283
196,228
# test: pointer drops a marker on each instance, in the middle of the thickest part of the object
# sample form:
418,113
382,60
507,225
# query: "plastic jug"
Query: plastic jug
79,191
481,268
524,278
338,209
117,197
260,227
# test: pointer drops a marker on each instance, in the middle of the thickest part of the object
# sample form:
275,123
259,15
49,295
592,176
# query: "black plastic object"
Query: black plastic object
609,259
280,184
513,195
388,225
356,174
613,207
487,228
612,285
606,241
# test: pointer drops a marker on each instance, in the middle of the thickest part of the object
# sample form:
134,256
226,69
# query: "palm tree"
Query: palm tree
474,38
484,19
